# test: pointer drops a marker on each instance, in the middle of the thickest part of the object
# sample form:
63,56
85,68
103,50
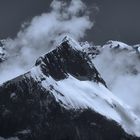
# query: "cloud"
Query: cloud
43,33
121,71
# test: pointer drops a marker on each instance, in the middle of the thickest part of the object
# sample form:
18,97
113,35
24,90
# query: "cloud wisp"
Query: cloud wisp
42,34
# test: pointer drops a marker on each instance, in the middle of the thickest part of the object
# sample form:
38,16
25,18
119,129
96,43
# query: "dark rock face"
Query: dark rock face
64,60
30,112
24,105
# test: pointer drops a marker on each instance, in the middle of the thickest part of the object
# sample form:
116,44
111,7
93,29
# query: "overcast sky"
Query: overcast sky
115,19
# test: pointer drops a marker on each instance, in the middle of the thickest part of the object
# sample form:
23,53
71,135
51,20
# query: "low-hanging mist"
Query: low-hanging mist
121,71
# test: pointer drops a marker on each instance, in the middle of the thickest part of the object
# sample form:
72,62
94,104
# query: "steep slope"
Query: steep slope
63,97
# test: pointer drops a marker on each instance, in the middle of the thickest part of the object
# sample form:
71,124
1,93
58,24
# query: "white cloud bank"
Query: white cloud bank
121,71
42,33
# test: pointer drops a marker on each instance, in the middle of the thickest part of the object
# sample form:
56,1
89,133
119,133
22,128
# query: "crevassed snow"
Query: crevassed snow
87,94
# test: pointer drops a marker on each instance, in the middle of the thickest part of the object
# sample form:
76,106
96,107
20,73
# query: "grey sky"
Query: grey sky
117,19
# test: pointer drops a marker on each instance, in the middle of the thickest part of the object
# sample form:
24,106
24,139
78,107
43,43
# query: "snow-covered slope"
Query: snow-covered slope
117,44
65,91
77,94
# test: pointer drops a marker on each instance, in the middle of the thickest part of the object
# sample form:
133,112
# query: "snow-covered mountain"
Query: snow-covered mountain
116,54
117,44
111,45
63,97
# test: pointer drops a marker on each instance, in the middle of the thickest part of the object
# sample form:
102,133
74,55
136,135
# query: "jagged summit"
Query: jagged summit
67,59
72,42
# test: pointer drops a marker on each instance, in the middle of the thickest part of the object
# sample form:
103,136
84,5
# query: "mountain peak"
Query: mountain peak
72,43
117,44
68,58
